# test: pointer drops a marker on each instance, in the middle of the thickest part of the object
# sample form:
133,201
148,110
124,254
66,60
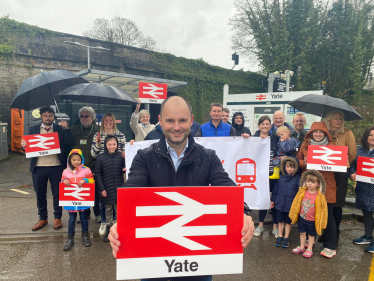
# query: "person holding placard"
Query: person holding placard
319,135
139,123
365,191
49,167
341,137
77,173
176,160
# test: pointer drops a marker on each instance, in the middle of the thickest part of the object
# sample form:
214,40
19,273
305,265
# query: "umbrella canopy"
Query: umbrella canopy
321,105
38,91
97,93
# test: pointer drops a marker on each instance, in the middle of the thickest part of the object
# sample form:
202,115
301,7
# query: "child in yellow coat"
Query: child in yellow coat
309,209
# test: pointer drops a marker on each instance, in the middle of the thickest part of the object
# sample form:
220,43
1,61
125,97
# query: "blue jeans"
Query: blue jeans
102,212
207,278
73,218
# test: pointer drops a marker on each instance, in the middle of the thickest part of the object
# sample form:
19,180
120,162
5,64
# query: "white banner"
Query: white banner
245,160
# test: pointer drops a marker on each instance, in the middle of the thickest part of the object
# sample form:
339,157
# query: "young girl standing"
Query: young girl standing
109,169
309,209
78,174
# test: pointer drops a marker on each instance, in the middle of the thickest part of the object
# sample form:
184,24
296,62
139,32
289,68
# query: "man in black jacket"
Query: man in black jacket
176,160
49,167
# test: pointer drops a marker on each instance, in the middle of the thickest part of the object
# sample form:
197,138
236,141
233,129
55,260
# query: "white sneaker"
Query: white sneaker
102,229
276,232
258,231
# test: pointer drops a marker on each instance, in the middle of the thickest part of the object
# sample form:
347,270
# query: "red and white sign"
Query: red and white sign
42,145
77,196
152,92
179,231
327,158
365,169
260,97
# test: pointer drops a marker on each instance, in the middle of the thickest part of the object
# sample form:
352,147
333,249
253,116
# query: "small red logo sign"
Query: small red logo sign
41,145
261,97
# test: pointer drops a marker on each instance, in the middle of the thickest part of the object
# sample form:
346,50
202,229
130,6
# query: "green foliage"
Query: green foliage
11,27
205,82
5,50
319,41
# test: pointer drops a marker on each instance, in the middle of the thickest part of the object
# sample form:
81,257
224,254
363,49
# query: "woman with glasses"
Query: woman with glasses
83,134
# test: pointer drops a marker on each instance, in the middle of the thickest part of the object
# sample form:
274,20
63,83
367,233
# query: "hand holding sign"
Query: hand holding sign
64,124
81,182
23,143
66,182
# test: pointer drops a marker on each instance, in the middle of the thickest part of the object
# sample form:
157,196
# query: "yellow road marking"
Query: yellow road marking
371,276
20,191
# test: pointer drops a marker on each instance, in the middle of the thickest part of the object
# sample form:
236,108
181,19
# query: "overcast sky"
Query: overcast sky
189,28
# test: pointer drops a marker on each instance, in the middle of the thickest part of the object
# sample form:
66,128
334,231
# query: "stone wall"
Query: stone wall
33,49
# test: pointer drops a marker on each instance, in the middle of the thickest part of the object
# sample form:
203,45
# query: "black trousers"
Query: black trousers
330,231
40,178
368,223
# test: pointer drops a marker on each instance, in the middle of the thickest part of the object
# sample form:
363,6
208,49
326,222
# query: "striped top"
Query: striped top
96,151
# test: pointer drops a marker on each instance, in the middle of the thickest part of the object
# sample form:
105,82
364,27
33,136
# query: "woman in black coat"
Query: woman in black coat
238,124
109,170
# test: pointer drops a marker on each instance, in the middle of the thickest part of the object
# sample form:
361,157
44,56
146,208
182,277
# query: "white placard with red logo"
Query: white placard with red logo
365,169
42,145
327,158
179,231
73,195
152,92
246,161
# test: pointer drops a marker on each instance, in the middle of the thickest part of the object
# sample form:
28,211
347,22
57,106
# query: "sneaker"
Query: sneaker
98,219
285,243
363,240
279,242
258,231
102,229
370,248
275,232
328,253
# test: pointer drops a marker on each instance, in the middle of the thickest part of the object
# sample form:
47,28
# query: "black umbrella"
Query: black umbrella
39,90
97,93
321,105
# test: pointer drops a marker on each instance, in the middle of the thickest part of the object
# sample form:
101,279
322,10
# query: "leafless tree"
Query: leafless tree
120,30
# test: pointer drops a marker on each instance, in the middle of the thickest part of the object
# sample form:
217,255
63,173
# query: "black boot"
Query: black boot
70,242
105,239
86,239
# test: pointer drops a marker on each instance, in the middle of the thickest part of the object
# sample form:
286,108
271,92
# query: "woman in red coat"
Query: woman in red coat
319,135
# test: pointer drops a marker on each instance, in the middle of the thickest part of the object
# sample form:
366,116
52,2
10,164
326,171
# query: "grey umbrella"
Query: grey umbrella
39,90
97,93
321,105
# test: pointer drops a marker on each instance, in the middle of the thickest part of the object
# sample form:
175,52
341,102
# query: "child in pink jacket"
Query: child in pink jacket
78,174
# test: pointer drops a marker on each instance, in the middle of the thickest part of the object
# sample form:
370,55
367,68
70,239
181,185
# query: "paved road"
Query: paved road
27,255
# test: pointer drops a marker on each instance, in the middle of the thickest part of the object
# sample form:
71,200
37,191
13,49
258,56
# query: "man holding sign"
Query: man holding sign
176,160
48,167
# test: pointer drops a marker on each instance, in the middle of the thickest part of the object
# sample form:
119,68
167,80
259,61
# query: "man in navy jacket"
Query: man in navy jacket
176,160
49,167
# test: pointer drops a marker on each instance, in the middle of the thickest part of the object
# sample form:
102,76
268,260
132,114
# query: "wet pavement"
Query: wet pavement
28,255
